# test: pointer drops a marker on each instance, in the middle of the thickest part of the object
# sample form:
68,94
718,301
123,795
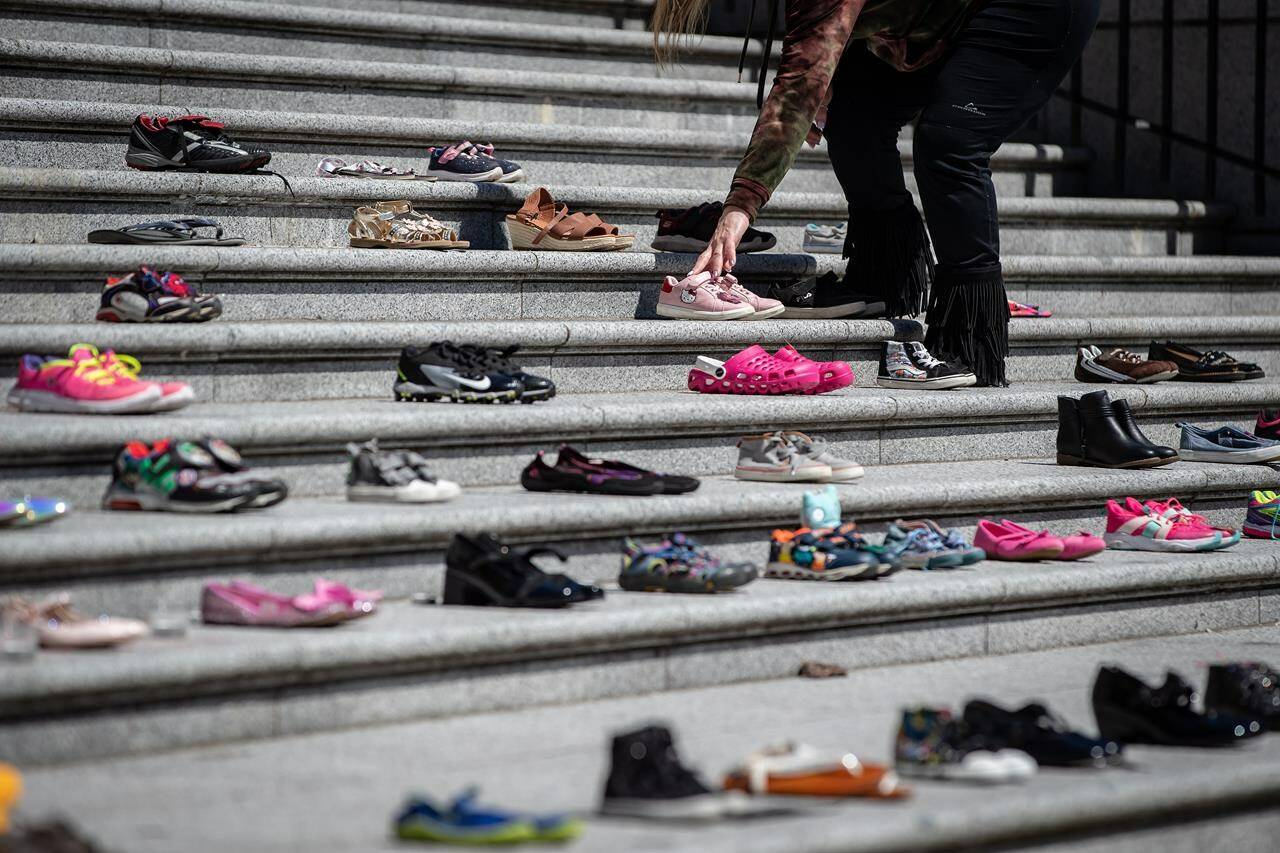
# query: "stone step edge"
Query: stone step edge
306,527
259,125
33,184
212,263
263,427
632,44
294,658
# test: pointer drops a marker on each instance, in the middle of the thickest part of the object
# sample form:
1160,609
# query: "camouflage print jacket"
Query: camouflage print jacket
907,34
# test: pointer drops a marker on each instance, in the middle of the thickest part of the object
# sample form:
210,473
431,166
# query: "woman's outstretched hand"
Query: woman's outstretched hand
722,252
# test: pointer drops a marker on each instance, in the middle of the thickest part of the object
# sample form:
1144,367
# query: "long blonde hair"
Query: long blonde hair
675,22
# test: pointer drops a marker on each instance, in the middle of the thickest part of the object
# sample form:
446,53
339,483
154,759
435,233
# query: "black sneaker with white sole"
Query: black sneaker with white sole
690,230
647,780
821,298
463,162
445,371
909,365
190,143
535,387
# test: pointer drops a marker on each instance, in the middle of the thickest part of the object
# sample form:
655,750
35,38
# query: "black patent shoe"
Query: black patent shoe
484,572
1129,711
1124,416
1037,732
1246,690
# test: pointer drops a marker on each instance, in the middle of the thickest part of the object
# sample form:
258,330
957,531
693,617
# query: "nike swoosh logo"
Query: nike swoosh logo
473,384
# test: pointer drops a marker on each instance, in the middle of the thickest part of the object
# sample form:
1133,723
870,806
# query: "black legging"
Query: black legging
1002,68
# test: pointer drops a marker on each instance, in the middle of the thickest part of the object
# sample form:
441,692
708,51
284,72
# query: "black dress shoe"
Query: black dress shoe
1124,415
1090,434
1038,733
1131,712
1197,366
1246,690
485,572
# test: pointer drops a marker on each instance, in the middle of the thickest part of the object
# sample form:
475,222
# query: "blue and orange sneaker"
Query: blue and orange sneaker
679,564
1262,521
811,555
464,823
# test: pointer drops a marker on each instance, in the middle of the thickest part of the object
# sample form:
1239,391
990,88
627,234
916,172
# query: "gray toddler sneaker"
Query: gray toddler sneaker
769,458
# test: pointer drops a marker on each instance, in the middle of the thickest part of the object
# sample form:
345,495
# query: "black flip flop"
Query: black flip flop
177,231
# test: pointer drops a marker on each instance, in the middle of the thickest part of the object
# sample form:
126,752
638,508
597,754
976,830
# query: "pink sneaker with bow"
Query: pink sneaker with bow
1016,543
753,371
699,297
832,374
1077,546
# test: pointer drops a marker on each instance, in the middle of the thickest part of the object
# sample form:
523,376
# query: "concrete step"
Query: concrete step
60,284
230,80
304,442
138,562
233,362
49,206
606,14
221,684
1183,800
46,134
410,36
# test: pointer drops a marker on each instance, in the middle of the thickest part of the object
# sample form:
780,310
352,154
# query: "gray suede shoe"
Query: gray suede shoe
769,458
815,449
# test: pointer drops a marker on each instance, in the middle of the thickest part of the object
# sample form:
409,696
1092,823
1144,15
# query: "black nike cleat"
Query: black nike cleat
444,371
499,360
190,143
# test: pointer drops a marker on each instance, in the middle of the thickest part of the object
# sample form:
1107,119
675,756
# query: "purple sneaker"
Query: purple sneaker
573,472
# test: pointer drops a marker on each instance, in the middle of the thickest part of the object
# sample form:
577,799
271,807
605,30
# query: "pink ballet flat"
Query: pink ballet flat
753,371
832,374
240,603
1016,543
1077,546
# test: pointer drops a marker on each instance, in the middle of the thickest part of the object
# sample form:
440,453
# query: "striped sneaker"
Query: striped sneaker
1173,509
1133,527
1263,518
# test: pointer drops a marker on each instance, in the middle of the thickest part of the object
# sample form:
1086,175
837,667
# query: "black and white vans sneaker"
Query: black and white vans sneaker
499,361
463,162
394,476
822,298
191,143
648,780
444,371
909,365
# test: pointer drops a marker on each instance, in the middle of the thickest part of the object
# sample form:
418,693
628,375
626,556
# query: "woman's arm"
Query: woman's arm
817,31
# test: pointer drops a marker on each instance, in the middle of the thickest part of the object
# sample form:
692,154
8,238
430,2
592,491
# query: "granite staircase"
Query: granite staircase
301,362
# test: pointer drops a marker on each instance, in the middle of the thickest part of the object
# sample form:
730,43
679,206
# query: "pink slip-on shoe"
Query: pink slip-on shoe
698,297
762,305
80,386
1131,526
752,371
1019,309
240,603
1016,543
1076,547
359,602
833,374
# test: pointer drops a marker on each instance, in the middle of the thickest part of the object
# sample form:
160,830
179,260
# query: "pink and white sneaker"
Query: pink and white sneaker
833,374
1173,509
762,305
698,297
1133,527
753,371
173,395
78,386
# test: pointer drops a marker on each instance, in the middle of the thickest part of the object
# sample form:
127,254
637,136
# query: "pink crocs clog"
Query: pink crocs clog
753,371
832,374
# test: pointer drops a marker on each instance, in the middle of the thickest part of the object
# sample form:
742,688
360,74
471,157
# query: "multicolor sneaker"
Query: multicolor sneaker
79,385
1262,521
924,549
463,822
679,564
173,477
698,297
753,371
932,745
832,374
1131,526
847,535
1173,510
1268,424
228,462
951,538
805,555
146,296
910,365
173,395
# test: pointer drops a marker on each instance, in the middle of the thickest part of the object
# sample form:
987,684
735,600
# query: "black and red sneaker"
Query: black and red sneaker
574,473
690,230
190,143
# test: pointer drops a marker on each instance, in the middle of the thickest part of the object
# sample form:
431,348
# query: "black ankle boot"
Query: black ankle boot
1101,442
1124,415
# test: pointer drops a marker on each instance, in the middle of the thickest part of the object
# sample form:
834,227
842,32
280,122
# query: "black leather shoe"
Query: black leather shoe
485,572
1124,415
1129,711
1041,735
1089,434
1246,690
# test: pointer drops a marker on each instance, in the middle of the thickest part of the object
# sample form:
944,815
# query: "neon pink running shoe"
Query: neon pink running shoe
698,297
833,374
1075,547
1173,510
752,371
1005,541
80,386
1133,527
173,395
762,305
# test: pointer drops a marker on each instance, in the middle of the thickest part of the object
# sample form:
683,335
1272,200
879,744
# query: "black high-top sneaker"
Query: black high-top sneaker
190,143
445,371
646,779
499,361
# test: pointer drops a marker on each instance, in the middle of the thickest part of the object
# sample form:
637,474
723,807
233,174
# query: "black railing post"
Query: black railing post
1119,148
1211,101
1166,89
1260,107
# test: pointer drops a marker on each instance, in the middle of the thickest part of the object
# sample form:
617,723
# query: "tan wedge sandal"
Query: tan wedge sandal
396,225
543,225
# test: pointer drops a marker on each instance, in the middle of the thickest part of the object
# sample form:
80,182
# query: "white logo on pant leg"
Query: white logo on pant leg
969,108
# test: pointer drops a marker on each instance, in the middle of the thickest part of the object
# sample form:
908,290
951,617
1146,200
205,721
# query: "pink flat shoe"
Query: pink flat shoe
1019,309
240,603
763,305
1078,546
1003,543
833,374
340,592
752,371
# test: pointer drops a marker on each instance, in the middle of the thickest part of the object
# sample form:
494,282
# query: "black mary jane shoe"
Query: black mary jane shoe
1129,711
485,572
